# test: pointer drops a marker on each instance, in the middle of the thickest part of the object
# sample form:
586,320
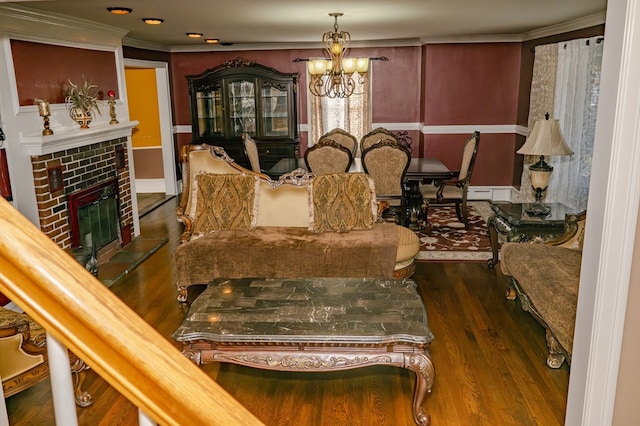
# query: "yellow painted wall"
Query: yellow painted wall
143,106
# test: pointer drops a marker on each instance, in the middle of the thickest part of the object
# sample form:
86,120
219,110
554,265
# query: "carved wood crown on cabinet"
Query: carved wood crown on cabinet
241,96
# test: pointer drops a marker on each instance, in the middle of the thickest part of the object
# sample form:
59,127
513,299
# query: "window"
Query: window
352,114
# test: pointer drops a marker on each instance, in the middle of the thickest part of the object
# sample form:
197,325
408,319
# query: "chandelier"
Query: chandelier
333,77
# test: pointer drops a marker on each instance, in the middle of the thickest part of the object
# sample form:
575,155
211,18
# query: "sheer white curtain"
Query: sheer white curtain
352,114
576,83
576,104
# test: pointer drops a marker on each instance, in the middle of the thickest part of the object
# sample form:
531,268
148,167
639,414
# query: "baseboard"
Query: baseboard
150,185
492,193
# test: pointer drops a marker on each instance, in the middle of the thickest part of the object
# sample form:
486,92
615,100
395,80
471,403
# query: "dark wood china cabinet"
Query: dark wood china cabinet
243,96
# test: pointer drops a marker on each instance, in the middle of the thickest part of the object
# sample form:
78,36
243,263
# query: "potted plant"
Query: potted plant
81,100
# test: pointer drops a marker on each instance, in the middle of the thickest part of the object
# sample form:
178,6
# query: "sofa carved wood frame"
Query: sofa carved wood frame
16,331
571,238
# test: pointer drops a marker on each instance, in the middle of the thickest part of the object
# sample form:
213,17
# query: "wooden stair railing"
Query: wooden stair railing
91,321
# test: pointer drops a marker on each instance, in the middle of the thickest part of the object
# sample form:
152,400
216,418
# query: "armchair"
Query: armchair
454,190
24,358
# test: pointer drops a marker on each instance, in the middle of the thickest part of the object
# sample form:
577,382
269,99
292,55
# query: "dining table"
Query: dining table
420,170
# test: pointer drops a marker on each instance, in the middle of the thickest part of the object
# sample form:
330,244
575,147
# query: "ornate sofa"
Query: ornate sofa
241,224
545,278
23,356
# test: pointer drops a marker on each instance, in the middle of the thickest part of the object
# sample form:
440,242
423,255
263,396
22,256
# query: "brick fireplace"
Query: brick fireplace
59,174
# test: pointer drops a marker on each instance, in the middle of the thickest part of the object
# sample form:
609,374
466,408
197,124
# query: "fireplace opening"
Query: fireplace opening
95,215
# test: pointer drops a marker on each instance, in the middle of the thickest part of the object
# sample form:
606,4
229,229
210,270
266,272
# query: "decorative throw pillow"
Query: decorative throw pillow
342,202
224,202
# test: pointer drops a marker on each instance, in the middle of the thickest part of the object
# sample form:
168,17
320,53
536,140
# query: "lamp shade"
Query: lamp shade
545,139
362,65
349,65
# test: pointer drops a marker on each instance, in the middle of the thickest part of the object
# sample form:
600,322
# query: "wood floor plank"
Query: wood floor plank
489,357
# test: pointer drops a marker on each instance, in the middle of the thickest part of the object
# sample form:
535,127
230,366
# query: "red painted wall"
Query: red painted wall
43,70
435,84
471,83
447,84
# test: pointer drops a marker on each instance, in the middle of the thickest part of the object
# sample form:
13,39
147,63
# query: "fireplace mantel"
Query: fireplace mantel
68,138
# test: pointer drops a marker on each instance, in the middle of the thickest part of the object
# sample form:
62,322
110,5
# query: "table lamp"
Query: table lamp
545,139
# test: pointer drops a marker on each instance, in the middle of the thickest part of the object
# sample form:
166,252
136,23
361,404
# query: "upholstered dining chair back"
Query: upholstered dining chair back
455,190
344,138
374,136
328,156
251,152
387,162
469,156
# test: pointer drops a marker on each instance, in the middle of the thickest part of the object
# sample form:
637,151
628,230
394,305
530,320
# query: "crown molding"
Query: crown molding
25,19
142,44
577,24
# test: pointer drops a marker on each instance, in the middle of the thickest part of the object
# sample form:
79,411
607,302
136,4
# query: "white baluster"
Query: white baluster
64,405
4,416
144,419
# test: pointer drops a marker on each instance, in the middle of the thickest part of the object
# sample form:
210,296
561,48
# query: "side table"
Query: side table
511,219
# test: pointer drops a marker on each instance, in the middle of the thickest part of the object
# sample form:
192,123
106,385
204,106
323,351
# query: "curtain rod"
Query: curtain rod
598,41
378,58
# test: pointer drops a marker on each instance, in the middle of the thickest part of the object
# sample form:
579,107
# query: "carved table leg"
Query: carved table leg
78,370
413,204
425,374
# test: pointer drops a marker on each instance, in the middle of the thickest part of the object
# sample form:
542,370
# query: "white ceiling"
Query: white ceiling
267,23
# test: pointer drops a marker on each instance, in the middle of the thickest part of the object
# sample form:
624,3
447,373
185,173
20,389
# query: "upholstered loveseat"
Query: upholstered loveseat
240,224
545,278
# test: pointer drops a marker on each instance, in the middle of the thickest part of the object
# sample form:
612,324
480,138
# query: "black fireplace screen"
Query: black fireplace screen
98,222
95,215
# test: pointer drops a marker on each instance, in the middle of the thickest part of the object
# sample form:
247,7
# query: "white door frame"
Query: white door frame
166,124
614,195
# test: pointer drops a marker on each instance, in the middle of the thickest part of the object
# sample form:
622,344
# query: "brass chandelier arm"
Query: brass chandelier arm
333,77
340,86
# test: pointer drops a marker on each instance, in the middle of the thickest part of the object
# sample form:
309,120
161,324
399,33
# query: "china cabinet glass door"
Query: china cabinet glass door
275,110
210,109
242,107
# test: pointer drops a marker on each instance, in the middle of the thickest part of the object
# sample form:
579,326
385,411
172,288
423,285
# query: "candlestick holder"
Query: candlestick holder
43,110
112,107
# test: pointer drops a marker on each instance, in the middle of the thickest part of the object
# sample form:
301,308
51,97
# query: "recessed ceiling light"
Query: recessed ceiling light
152,21
194,35
120,10
212,40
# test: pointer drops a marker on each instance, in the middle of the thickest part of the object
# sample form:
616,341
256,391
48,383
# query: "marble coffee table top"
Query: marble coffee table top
333,311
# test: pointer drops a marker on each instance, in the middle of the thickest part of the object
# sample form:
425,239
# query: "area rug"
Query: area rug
446,239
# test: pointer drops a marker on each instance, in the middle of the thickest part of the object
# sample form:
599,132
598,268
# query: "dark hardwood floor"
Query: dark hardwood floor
488,354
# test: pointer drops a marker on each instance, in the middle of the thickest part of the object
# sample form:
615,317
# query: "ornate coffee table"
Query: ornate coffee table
316,324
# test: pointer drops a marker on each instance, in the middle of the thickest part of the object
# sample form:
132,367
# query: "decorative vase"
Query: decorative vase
80,116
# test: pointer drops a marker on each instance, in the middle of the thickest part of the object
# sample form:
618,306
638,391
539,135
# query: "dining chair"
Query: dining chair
455,189
251,152
376,135
344,138
328,156
387,163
